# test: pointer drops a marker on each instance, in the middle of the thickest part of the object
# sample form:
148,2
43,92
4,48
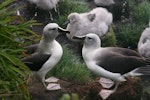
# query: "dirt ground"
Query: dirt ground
130,90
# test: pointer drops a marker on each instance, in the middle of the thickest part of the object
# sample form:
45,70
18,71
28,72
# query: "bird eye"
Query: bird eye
53,29
89,38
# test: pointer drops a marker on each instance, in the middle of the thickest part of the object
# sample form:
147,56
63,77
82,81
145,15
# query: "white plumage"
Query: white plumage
102,15
104,2
47,53
144,49
45,4
96,21
112,62
144,43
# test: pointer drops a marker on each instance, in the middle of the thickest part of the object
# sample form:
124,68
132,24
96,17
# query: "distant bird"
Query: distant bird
111,62
46,54
96,21
144,43
104,2
46,4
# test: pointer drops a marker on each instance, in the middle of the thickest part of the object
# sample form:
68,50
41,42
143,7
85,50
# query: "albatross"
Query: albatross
114,63
46,54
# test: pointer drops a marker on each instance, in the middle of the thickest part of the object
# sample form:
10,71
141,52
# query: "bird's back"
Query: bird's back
121,61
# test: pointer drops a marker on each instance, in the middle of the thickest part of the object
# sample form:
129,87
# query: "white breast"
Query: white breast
56,52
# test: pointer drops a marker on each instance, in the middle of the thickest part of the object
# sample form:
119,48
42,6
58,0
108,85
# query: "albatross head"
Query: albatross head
91,40
51,31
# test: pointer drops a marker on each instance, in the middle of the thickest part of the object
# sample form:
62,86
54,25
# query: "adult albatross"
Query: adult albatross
47,53
111,62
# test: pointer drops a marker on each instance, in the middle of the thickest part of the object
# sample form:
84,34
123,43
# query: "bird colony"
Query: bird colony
113,63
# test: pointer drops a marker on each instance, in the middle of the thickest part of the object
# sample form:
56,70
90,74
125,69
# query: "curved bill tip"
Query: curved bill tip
80,38
63,30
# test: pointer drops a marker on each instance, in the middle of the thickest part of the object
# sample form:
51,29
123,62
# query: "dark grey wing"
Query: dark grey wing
35,61
31,48
124,51
119,63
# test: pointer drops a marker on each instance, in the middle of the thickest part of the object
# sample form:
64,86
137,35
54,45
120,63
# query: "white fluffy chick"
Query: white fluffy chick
96,21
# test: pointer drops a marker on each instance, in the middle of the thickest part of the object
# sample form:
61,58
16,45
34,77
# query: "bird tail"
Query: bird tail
145,70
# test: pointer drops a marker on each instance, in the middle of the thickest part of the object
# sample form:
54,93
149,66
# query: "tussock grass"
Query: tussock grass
70,68
128,35
69,6
141,14
12,85
109,39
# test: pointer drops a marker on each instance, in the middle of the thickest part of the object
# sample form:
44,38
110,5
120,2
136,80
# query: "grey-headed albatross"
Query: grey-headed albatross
110,62
46,54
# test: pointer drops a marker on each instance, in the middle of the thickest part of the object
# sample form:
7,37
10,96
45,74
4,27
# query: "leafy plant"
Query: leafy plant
13,72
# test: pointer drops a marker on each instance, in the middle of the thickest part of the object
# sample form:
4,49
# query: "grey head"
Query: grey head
91,40
51,31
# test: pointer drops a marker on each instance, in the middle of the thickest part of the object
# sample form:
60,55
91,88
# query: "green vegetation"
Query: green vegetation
70,6
73,96
141,14
128,35
12,83
109,39
70,68
147,90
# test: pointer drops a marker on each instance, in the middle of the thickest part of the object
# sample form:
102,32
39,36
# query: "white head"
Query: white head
51,31
73,17
91,40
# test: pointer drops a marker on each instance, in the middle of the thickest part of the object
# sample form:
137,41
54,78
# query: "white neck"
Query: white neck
89,52
53,48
